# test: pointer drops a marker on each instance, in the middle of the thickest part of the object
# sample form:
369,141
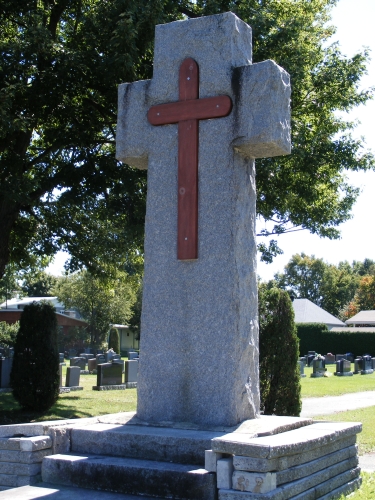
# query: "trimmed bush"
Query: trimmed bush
35,372
280,388
323,341
114,340
310,335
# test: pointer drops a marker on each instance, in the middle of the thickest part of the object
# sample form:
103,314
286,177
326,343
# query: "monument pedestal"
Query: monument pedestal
271,457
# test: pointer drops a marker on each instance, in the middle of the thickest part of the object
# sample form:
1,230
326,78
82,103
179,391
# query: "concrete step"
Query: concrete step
162,444
130,476
45,490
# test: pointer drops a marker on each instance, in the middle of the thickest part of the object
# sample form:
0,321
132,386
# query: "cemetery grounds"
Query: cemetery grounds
89,403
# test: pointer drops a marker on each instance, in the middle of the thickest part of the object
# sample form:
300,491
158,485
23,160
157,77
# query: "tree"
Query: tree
38,284
327,285
280,390
364,298
101,302
60,185
35,370
8,333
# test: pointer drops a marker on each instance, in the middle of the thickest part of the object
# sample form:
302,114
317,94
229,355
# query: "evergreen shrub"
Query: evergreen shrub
310,337
280,388
114,340
324,341
35,371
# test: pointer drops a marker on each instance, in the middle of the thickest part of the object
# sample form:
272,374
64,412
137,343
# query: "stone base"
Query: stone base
76,388
317,374
84,372
319,462
121,387
64,390
366,372
343,374
131,385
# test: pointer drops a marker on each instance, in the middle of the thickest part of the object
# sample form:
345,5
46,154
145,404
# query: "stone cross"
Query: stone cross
199,329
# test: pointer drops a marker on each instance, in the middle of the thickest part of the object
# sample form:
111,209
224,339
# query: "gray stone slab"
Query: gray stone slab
206,307
19,469
143,442
282,463
142,477
120,387
25,457
287,443
72,375
304,470
9,443
303,489
35,443
44,490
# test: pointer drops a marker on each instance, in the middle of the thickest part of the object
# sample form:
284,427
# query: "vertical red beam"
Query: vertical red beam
187,237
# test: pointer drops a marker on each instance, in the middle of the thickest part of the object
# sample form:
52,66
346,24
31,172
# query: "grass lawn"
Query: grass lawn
77,404
335,386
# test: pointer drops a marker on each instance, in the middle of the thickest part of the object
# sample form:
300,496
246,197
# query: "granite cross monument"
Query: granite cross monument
198,135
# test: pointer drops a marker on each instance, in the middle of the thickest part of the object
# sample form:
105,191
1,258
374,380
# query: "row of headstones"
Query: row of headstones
364,365
108,374
329,358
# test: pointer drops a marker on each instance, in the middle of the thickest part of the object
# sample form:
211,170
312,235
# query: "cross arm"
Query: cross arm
262,107
134,133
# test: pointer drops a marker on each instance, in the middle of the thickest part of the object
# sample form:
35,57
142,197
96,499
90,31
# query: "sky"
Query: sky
354,20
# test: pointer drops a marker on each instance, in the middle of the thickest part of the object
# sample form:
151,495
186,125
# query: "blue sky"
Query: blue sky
354,20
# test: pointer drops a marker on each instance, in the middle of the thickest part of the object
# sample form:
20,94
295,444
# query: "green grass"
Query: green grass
366,491
335,386
77,404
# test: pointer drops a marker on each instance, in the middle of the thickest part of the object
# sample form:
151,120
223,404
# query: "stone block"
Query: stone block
9,443
20,469
282,463
72,376
210,460
224,472
35,443
256,482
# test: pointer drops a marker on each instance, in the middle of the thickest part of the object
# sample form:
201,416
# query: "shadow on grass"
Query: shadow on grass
12,413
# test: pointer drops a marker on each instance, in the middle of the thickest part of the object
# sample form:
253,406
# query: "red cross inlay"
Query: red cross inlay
187,112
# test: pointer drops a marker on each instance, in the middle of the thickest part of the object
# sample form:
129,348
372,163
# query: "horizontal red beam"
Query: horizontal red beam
192,109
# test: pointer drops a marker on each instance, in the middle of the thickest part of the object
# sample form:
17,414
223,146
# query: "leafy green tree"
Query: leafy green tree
60,185
280,389
35,371
8,333
101,302
327,285
363,300
39,284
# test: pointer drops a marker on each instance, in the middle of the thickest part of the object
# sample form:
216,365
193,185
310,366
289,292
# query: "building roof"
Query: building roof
362,318
306,311
354,329
19,303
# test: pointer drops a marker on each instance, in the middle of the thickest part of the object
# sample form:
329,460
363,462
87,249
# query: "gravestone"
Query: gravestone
61,356
78,361
100,359
109,355
301,365
330,359
92,364
72,376
357,365
133,355
109,376
131,373
373,363
340,356
318,367
5,369
208,113
343,368
366,365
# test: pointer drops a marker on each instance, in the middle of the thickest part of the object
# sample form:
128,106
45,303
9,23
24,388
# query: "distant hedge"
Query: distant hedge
316,336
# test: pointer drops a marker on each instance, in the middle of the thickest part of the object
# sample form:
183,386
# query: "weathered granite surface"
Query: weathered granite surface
199,343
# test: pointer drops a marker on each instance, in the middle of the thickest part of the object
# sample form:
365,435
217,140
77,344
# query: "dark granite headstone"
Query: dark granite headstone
301,365
366,365
61,355
343,368
92,364
5,369
357,364
100,359
131,371
318,367
72,376
133,355
109,374
81,362
330,359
